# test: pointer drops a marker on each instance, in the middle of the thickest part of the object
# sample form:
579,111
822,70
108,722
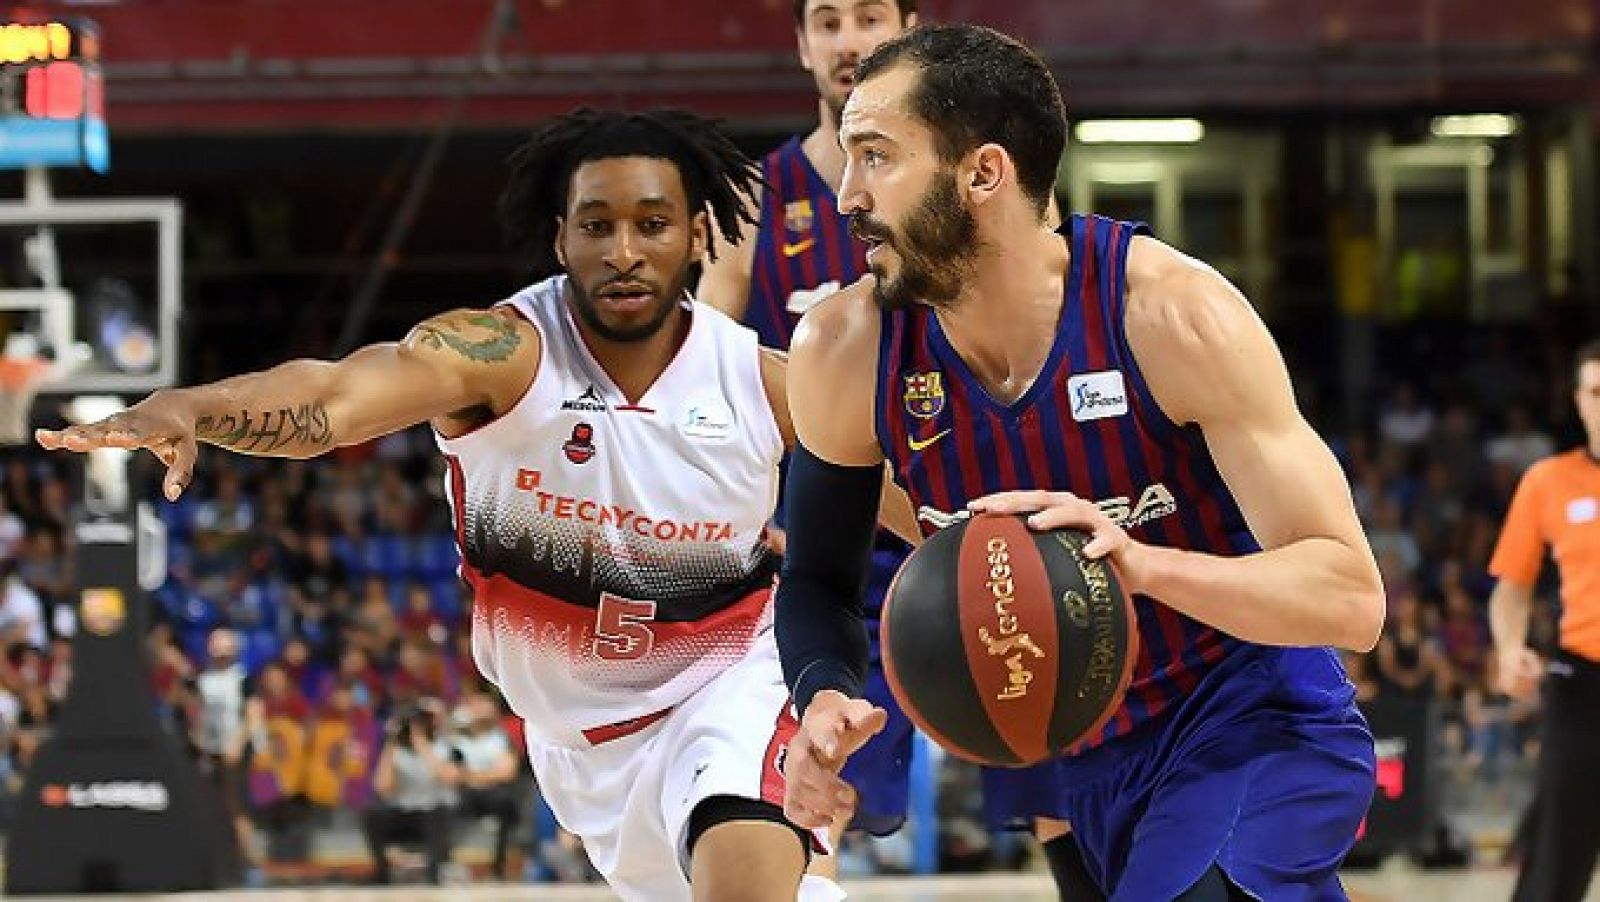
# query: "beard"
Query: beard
936,244
662,303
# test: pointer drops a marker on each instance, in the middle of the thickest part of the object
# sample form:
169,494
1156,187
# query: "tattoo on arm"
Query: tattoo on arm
266,431
502,338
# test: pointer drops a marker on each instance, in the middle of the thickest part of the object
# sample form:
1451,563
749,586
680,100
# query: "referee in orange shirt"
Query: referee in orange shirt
1557,506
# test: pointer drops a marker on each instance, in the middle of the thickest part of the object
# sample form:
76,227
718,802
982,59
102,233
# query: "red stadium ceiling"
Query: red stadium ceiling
323,64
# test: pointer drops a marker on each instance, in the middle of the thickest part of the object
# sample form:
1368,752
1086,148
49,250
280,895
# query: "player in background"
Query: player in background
999,364
613,451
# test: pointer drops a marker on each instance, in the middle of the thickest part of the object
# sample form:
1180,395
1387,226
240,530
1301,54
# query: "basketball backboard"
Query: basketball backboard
98,283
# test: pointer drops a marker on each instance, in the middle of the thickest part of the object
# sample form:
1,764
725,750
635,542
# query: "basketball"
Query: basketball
1005,645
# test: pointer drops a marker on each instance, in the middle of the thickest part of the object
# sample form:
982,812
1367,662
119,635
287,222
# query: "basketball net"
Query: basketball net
22,371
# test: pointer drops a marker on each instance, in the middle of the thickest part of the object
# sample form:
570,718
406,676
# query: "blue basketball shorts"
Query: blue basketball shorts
1266,770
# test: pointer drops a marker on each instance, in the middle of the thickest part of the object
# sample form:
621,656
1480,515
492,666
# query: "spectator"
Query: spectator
21,612
489,770
47,568
393,501
222,537
1463,630
341,751
29,664
1521,444
420,623
277,716
375,619
348,500
1409,663
220,735
419,674
305,673
170,671
227,518
356,674
1390,539
318,572
415,782
1406,421
317,623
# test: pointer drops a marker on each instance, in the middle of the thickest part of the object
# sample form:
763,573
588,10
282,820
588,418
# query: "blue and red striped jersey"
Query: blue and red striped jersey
1087,425
804,251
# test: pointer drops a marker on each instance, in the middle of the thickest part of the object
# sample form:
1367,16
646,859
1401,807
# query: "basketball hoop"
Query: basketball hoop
22,371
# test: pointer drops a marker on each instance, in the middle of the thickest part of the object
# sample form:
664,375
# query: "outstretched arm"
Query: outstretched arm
1315,581
455,365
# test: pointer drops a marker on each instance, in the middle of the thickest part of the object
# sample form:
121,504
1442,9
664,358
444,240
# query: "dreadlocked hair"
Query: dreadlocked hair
717,176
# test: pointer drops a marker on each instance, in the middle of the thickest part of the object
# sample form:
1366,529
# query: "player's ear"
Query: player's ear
561,240
988,170
699,236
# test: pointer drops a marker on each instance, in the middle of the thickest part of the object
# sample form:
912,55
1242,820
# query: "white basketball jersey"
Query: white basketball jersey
615,550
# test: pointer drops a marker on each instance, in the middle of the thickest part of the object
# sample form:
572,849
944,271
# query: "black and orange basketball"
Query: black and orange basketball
1005,645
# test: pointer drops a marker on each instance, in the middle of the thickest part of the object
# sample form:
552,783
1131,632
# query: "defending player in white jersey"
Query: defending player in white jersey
613,452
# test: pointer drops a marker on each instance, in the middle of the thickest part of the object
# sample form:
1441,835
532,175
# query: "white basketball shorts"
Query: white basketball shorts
629,798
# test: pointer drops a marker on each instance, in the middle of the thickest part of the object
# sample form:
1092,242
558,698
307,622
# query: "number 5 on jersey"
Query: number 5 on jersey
622,628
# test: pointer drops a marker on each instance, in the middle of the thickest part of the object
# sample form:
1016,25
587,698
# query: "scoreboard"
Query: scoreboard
52,96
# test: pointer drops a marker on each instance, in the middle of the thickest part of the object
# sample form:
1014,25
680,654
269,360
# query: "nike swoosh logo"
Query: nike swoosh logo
799,247
922,445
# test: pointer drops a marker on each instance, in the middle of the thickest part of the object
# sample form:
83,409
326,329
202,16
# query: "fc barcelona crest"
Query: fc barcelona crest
925,394
103,610
798,216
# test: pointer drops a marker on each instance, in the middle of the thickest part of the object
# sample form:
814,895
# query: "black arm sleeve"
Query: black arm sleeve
832,515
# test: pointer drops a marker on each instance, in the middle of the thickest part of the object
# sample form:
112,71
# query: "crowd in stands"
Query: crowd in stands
311,642
1432,480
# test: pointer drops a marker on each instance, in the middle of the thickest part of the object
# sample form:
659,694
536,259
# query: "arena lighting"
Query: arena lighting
1140,131
1475,125
1130,172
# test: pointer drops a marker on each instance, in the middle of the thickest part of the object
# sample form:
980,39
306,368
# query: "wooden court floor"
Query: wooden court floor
1393,885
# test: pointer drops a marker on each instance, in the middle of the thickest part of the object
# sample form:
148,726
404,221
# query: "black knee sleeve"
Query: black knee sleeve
1214,886
721,809
1073,881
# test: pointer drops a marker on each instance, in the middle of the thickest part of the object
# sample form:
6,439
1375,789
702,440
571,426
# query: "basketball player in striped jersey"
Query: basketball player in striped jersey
797,252
1086,377
613,451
